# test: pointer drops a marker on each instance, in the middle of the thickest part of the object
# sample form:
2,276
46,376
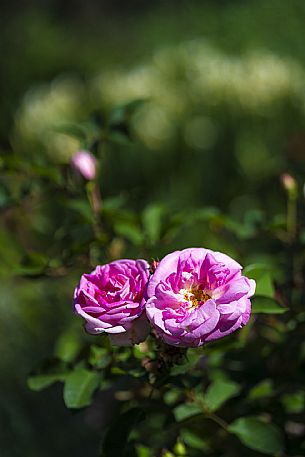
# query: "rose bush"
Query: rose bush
197,295
110,299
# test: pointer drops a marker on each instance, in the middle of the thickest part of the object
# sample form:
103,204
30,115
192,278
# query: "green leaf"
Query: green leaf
73,129
294,402
152,222
261,390
172,395
79,387
219,392
119,138
186,410
120,113
143,451
82,207
99,357
116,438
179,448
32,264
186,364
258,435
266,305
40,382
68,345
130,231
194,441
50,371
262,275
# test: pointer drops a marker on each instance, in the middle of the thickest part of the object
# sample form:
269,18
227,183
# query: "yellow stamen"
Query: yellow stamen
195,296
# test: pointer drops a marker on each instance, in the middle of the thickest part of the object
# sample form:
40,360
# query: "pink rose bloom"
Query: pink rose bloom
196,296
85,164
110,299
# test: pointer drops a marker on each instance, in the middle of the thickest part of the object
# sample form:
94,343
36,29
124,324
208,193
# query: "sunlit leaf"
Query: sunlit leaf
266,305
294,402
194,441
40,382
32,264
152,222
50,371
67,345
79,387
130,232
99,357
143,451
258,435
262,275
219,392
186,410
261,390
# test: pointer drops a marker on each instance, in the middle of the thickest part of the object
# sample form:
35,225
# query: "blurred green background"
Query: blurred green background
220,91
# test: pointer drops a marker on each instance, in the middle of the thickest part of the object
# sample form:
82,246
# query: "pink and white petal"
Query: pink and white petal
246,315
167,265
227,261
223,329
232,291
135,335
96,323
252,287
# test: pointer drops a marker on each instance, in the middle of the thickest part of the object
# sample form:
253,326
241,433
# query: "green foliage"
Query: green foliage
294,402
261,390
40,382
267,305
51,371
185,411
193,441
218,393
79,387
152,222
263,279
258,435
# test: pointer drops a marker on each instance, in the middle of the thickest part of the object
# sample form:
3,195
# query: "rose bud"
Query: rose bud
289,184
196,296
84,163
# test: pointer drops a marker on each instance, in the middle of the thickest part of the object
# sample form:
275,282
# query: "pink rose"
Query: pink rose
196,296
85,164
110,299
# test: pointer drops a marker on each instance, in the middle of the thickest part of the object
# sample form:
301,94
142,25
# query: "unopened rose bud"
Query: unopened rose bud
289,184
85,163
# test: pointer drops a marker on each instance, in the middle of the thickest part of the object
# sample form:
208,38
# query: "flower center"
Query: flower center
195,297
